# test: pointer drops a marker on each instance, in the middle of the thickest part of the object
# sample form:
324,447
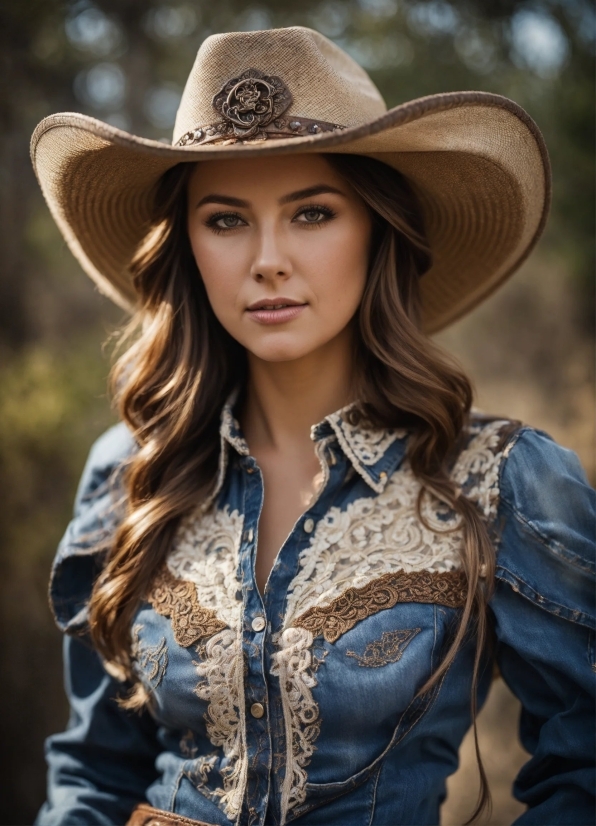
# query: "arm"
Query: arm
543,610
100,767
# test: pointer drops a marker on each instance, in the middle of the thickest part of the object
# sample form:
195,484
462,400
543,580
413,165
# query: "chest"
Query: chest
290,486
321,670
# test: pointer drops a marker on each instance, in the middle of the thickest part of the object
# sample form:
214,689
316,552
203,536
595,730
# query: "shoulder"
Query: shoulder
546,526
108,453
96,514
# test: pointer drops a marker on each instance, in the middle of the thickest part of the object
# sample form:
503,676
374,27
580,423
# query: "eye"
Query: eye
222,221
314,215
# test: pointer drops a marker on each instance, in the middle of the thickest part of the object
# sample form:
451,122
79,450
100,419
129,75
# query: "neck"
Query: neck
284,399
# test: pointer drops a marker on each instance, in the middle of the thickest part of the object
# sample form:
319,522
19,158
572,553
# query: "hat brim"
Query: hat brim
477,162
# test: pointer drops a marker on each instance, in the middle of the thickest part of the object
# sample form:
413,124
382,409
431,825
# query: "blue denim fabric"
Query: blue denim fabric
344,739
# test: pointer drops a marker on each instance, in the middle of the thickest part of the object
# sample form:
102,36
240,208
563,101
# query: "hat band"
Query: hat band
227,133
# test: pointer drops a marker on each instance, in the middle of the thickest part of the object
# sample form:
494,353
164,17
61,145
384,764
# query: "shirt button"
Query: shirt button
309,525
257,710
258,623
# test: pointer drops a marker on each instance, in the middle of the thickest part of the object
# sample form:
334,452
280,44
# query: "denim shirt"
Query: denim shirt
301,705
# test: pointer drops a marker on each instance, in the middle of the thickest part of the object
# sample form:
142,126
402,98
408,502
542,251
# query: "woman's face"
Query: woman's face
282,248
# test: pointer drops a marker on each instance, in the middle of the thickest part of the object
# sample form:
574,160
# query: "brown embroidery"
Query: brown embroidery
388,649
177,599
356,604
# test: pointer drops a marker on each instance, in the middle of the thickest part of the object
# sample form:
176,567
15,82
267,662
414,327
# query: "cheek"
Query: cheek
222,283
339,264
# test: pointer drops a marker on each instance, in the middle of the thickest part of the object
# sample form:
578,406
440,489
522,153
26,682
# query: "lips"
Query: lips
275,310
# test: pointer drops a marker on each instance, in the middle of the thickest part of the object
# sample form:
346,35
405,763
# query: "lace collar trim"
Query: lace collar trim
368,449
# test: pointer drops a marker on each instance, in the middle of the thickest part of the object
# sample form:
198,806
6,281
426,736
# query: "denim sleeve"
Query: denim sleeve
101,765
543,610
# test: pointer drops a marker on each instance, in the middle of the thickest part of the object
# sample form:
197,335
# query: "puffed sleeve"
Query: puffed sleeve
101,765
543,610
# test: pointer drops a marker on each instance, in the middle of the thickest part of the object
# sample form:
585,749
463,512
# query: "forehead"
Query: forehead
278,175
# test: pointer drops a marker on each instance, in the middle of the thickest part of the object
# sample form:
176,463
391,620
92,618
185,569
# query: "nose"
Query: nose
270,262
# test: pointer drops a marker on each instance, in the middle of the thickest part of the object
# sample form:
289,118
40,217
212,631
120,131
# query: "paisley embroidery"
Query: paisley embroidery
355,604
388,649
177,599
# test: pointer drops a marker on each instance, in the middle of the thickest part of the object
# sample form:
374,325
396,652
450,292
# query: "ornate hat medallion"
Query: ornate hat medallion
251,101
251,106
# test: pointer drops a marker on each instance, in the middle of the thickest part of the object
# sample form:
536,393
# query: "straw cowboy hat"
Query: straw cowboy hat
477,161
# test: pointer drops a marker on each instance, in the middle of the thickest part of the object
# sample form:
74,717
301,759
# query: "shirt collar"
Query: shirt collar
374,452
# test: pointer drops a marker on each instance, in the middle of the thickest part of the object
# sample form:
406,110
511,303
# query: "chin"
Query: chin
281,350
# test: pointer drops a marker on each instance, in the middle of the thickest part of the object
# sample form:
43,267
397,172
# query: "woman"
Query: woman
295,563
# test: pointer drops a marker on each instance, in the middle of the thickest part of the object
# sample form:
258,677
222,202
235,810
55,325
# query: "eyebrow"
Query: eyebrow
299,195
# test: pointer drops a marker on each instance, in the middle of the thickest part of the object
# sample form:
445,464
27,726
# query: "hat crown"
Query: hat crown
324,83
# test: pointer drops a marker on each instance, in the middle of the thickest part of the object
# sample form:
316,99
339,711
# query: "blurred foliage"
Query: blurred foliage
126,61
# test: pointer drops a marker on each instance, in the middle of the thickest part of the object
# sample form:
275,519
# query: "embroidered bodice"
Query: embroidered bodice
302,705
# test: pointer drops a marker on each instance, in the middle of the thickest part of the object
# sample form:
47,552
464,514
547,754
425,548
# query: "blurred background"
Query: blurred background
528,349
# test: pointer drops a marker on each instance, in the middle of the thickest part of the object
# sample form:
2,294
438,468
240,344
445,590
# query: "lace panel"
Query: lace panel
368,445
373,536
388,649
477,468
355,604
177,599
205,552
295,666
222,687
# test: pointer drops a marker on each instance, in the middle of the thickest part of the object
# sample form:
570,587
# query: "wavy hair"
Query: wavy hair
179,365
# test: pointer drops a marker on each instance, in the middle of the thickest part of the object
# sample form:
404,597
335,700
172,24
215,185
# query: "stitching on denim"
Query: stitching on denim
543,602
373,802
556,548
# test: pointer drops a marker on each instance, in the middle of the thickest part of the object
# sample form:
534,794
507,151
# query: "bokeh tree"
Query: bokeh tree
125,62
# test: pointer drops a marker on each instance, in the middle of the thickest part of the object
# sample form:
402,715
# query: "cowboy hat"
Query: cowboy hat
476,161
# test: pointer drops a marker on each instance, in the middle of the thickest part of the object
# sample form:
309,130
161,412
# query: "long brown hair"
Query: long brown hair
172,380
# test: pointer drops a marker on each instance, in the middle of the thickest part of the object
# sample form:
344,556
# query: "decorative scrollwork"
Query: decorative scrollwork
177,599
251,101
388,649
355,604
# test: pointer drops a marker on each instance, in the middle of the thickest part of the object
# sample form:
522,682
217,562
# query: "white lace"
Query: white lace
477,467
367,445
205,551
294,666
222,686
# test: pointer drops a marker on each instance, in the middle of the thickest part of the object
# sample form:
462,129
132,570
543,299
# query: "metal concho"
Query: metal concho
251,101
